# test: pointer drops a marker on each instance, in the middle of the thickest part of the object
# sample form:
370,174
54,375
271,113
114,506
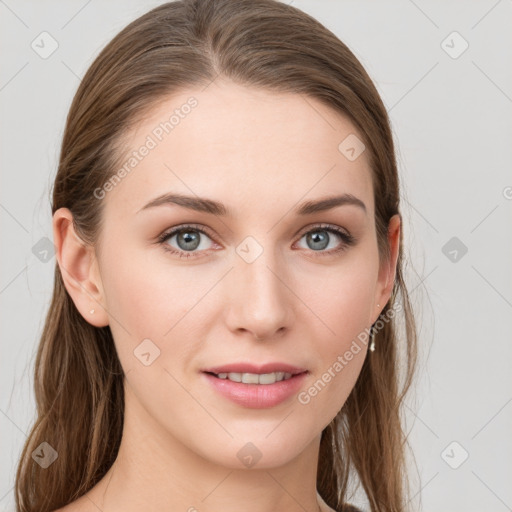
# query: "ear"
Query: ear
79,269
387,270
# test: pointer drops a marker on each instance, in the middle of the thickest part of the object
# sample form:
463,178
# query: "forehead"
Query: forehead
240,145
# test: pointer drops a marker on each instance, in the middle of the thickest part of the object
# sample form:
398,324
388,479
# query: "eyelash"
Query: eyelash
348,240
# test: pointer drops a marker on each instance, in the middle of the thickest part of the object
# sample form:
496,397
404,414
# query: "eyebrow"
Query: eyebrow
202,204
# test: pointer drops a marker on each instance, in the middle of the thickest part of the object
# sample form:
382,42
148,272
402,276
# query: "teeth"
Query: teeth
255,378
251,378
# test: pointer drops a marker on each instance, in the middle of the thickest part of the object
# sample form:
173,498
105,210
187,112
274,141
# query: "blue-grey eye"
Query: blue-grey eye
188,240
318,240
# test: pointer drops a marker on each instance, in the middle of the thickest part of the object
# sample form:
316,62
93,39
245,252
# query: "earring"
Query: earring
92,311
372,340
372,337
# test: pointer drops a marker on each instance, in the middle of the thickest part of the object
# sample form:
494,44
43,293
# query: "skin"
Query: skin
261,154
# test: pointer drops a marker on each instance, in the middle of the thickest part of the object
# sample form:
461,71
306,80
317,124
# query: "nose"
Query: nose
260,300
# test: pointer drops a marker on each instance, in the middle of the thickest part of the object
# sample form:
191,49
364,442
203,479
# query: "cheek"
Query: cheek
159,303
341,301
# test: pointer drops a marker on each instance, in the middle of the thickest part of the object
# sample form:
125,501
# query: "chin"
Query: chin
259,450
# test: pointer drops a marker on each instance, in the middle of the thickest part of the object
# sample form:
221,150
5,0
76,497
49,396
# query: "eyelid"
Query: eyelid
347,238
183,227
322,225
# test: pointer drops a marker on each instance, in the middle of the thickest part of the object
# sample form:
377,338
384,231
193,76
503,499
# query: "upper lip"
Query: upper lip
252,368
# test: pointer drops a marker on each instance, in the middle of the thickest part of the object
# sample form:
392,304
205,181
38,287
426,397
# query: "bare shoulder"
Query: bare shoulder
71,507
82,504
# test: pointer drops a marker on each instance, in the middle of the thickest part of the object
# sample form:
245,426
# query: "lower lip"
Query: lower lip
257,396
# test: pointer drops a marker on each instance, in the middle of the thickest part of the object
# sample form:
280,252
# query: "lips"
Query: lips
256,386
258,369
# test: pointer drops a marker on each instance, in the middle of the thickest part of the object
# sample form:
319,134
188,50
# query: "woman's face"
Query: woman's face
257,280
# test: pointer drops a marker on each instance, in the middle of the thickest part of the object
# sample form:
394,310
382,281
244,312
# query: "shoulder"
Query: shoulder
79,505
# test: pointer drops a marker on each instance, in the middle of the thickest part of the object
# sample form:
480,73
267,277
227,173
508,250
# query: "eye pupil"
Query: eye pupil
319,239
190,240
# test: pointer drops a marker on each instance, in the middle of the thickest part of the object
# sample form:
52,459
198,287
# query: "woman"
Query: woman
229,266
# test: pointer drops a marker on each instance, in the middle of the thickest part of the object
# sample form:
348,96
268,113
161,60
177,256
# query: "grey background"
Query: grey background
452,122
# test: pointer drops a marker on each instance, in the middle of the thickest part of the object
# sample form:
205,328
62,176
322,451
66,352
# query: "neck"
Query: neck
155,471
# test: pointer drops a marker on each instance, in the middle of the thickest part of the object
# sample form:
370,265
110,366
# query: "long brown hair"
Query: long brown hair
78,377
